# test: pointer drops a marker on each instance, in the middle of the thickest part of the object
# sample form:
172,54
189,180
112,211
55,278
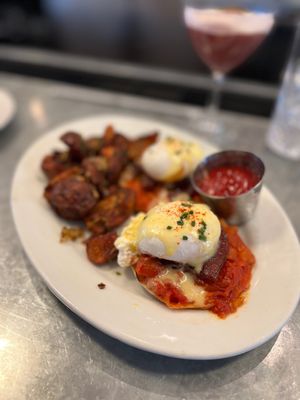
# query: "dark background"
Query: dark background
140,32
146,32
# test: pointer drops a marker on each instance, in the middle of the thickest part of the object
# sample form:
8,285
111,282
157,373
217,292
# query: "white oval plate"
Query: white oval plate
124,309
7,107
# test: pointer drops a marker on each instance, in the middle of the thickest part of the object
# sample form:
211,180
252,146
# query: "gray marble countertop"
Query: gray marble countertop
47,352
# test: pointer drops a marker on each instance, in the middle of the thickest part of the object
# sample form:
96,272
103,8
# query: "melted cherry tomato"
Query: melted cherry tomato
228,181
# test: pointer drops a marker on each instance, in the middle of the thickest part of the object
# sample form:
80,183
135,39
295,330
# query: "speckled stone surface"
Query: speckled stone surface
47,352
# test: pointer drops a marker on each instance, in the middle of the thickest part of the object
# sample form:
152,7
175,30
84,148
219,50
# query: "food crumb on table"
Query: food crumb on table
70,234
101,285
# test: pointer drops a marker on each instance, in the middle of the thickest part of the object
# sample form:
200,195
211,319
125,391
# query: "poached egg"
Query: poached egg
177,231
171,159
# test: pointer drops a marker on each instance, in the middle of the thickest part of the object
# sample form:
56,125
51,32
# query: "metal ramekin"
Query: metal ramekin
236,210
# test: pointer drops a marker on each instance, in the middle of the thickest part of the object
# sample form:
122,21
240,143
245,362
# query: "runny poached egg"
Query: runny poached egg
171,159
178,231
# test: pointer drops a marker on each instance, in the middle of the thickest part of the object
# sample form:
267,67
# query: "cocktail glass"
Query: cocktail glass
224,37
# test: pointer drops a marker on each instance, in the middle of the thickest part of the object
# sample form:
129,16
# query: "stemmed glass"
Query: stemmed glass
224,37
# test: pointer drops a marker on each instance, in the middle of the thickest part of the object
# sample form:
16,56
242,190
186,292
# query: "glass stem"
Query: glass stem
214,103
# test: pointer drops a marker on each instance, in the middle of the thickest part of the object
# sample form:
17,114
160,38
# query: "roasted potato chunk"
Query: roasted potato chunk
138,146
71,198
112,138
72,171
70,234
111,211
55,163
94,169
100,249
116,160
77,147
93,146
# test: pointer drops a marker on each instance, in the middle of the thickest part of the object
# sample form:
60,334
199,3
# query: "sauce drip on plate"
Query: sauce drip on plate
228,181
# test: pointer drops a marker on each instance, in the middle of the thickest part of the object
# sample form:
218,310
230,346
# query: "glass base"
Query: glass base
221,132
283,142
211,127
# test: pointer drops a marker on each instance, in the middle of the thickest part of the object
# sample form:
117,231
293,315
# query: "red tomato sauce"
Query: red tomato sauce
148,267
170,294
144,198
224,296
227,294
228,181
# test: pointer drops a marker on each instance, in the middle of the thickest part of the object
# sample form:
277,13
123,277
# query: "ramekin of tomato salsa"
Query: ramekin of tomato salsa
230,182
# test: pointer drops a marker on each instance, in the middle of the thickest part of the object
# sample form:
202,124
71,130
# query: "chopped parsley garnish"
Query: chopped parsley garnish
184,237
201,231
118,273
184,215
186,205
180,223
202,237
193,223
191,212
169,227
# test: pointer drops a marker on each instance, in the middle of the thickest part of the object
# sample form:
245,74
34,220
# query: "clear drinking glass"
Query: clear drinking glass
283,136
224,35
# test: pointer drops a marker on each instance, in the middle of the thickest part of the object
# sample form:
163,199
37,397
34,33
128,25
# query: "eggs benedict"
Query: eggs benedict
171,248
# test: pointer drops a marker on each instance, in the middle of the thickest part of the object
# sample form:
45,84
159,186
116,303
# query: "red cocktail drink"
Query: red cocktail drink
224,39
